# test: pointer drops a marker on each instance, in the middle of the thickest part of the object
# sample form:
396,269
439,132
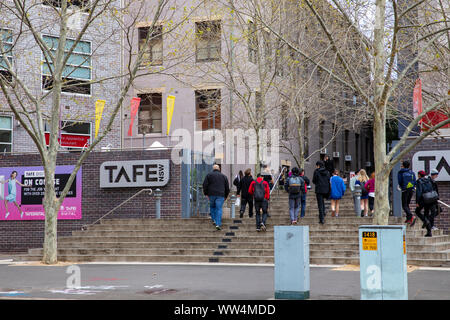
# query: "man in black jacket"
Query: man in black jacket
246,198
424,185
217,189
321,179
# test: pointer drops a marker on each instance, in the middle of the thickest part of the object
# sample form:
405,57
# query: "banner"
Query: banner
135,102
417,100
99,105
170,108
29,196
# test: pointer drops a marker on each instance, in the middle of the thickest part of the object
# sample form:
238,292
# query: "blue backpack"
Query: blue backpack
409,179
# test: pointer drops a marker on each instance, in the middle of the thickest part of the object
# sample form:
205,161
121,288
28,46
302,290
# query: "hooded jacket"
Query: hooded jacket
321,179
404,179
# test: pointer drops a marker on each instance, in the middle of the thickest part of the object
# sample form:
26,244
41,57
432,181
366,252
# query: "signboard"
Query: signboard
30,196
369,241
132,174
71,140
434,159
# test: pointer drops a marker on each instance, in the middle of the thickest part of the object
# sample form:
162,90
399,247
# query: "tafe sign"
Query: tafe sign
137,173
436,159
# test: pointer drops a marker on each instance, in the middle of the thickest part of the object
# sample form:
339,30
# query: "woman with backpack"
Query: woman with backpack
363,178
337,192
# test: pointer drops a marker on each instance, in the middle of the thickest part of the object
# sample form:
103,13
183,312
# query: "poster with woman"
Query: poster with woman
22,190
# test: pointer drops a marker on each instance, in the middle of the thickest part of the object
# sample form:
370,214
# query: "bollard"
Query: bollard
291,253
233,207
158,195
382,260
357,200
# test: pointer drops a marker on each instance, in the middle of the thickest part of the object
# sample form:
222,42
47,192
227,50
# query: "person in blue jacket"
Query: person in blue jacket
337,192
407,183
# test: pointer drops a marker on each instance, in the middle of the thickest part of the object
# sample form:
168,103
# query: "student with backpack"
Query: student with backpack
296,187
406,182
426,198
303,198
260,191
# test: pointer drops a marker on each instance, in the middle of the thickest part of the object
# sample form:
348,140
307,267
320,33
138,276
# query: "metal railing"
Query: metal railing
444,204
276,182
84,227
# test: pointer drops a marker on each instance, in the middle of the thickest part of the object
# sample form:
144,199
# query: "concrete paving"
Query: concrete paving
138,281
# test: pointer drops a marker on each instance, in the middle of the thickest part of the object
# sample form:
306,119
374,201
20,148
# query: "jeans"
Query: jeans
215,206
244,202
406,200
303,203
294,208
321,205
258,206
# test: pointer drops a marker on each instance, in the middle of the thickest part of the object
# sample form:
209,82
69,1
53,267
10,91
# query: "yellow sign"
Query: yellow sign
170,108
404,244
369,241
99,105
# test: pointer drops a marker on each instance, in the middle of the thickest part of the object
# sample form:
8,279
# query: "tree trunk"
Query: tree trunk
51,218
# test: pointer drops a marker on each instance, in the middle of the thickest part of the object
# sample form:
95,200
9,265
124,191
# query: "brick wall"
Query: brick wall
443,220
19,236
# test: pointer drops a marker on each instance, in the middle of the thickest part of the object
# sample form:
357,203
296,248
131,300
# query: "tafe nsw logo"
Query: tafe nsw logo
131,174
436,159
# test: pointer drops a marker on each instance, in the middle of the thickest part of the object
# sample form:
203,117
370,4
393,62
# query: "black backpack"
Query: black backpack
428,194
259,191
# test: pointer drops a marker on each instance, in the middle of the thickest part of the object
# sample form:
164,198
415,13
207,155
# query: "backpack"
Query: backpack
409,179
259,191
363,189
428,194
296,185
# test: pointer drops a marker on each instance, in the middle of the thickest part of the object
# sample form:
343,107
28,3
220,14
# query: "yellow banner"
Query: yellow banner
99,105
170,108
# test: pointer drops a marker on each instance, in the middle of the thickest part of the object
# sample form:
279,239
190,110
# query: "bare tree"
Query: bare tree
404,40
28,30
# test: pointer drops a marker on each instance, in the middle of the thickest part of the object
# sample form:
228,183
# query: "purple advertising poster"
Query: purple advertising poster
22,191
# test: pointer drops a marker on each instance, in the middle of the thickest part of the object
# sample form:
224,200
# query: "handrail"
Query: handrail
443,203
84,227
276,182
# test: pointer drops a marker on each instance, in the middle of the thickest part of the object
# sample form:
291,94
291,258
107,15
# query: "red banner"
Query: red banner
71,140
135,102
417,100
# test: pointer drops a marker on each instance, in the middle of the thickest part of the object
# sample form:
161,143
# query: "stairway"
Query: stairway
196,240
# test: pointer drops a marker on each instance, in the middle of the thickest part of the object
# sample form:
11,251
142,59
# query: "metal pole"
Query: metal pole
357,200
233,208
158,194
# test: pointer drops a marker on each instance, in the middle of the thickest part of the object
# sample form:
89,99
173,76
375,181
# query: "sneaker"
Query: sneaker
263,227
413,221
258,229
321,222
428,234
294,222
434,228
241,215
218,228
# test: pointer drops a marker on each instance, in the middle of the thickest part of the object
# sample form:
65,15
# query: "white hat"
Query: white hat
433,171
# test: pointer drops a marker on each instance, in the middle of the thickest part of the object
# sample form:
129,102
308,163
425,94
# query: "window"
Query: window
321,132
6,133
267,50
77,72
6,42
150,113
83,4
207,109
73,135
208,40
284,121
153,54
252,42
260,114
